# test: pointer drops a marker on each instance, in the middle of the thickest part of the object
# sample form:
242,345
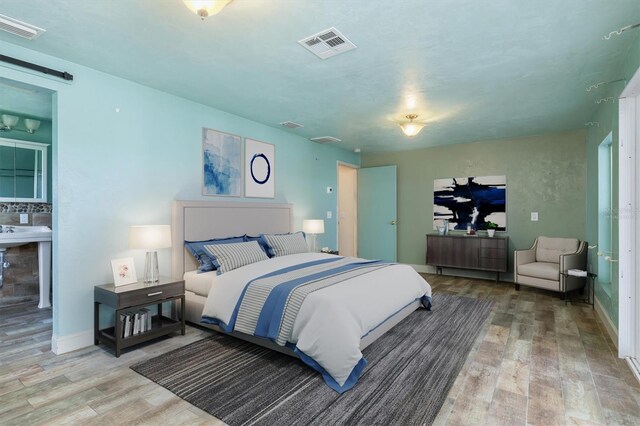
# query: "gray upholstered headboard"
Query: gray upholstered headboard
203,220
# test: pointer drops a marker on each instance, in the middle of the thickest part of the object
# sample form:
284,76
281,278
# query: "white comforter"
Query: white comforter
331,321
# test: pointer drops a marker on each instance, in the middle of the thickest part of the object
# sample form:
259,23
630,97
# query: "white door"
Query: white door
628,224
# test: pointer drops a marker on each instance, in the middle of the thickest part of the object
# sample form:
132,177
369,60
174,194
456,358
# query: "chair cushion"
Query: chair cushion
544,270
550,249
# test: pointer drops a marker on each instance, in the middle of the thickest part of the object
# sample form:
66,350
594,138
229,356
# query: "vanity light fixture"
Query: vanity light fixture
205,8
9,123
411,128
31,125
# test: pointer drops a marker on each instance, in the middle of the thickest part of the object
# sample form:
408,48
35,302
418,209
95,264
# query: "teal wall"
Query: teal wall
545,174
43,135
607,118
115,169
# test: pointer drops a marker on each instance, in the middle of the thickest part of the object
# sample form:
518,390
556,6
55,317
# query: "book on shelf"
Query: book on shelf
136,322
127,325
147,318
123,321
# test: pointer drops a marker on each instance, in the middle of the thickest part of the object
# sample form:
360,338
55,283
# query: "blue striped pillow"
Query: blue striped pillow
285,244
232,256
196,248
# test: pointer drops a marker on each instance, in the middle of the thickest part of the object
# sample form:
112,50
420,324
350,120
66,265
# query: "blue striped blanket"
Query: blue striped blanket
269,304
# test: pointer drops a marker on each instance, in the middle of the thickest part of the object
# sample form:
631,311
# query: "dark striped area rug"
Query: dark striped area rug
411,369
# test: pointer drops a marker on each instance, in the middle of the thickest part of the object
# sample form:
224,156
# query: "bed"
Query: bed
370,311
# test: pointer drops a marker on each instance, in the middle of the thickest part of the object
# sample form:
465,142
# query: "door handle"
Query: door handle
393,222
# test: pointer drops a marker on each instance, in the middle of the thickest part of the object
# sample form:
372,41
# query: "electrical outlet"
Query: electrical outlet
534,216
329,190
329,214
24,218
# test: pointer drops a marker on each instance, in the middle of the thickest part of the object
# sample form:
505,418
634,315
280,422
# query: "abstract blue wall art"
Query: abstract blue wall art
259,169
470,201
222,162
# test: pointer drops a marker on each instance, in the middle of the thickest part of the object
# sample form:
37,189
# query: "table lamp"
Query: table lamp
313,227
150,238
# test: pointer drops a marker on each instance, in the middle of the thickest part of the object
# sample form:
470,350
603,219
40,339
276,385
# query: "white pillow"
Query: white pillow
285,244
235,255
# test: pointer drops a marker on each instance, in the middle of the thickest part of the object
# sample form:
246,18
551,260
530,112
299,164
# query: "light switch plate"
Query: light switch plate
329,214
534,216
24,218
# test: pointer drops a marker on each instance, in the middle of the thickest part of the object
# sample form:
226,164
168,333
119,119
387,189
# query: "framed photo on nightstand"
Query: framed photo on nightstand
124,271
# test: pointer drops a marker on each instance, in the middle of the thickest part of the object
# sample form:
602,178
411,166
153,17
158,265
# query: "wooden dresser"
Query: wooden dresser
468,252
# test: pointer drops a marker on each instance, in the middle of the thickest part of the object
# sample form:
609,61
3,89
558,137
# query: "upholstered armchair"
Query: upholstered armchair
542,264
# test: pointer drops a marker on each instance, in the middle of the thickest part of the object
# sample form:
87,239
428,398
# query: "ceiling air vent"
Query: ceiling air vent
325,139
291,125
20,28
327,43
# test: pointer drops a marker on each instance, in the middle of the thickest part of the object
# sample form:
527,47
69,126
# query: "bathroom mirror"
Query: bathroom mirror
23,171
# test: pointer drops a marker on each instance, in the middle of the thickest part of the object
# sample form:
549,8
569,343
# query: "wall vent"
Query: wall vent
327,43
325,139
291,125
19,28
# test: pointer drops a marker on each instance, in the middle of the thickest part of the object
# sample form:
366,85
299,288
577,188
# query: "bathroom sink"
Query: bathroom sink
24,235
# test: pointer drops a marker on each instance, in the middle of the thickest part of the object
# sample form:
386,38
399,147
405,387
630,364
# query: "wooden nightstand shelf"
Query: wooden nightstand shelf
136,296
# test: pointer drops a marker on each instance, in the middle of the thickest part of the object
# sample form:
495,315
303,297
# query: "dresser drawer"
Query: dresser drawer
150,294
492,253
497,243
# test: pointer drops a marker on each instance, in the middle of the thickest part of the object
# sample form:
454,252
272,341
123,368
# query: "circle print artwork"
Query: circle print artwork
260,168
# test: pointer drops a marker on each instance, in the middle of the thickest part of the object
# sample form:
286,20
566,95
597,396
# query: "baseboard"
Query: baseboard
634,366
608,324
64,344
464,273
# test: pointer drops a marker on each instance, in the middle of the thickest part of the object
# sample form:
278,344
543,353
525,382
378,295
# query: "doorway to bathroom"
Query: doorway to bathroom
26,140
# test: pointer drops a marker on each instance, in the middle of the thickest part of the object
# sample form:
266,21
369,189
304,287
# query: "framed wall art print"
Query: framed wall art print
473,200
222,163
259,169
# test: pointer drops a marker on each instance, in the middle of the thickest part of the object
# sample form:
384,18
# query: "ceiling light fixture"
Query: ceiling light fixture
205,8
411,128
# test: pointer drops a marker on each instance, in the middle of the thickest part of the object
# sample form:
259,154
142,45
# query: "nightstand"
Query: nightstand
132,298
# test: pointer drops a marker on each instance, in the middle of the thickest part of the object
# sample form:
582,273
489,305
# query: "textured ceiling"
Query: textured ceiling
472,69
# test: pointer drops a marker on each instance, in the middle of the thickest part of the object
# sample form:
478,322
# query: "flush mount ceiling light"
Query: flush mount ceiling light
411,128
205,8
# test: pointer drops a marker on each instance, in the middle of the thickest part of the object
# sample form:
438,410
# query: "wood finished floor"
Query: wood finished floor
535,362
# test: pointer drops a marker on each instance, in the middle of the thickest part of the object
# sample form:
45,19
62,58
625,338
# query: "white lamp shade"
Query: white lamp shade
31,124
313,226
411,128
149,237
9,120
